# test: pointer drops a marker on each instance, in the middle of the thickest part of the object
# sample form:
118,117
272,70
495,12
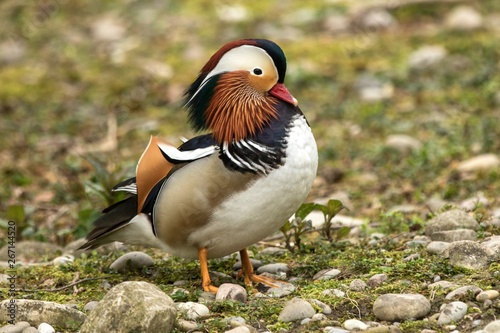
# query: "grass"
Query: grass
60,97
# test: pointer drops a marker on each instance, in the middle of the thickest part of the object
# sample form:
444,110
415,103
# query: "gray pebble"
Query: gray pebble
493,327
30,330
283,289
463,18
376,280
437,247
275,251
63,260
231,291
354,324
324,307
441,285
487,294
90,306
193,310
454,235
333,292
397,307
335,330
132,260
187,325
11,329
357,285
452,312
450,220
426,57
273,268
239,329
462,291
45,328
326,274
255,263
296,309
469,254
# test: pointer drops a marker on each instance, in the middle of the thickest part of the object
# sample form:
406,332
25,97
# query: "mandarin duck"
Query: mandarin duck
221,192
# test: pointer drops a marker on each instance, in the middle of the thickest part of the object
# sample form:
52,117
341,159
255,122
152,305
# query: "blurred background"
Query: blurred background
403,98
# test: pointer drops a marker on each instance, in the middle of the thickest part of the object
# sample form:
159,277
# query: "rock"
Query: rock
30,330
435,203
354,324
471,204
452,312
478,163
336,23
283,289
427,57
463,291
372,89
133,306
231,291
45,328
326,274
273,268
17,328
398,307
193,310
437,247
463,18
403,143
385,329
376,19
493,243
377,280
324,308
469,254
419,241
357,285
487,294
33,251
107,29
274,251
255,263
450,220
132,261
37,312
63,260
333,292
235,321
90,306
11,51
335,330
187,325
450,236
493,327
296,309
442,285
239,329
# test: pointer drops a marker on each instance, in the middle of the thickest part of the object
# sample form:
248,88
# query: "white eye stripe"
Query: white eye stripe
244,57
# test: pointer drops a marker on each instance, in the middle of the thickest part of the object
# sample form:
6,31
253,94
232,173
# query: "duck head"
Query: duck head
236,92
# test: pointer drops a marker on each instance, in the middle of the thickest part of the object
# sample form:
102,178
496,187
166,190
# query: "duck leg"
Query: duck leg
206,283
249,276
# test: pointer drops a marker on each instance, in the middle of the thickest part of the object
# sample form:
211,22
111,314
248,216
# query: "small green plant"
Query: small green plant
332,208
297,226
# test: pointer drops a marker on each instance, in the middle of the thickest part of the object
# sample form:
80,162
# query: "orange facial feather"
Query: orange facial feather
237,110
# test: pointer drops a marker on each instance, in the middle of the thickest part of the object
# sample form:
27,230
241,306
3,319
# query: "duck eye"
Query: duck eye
257,71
